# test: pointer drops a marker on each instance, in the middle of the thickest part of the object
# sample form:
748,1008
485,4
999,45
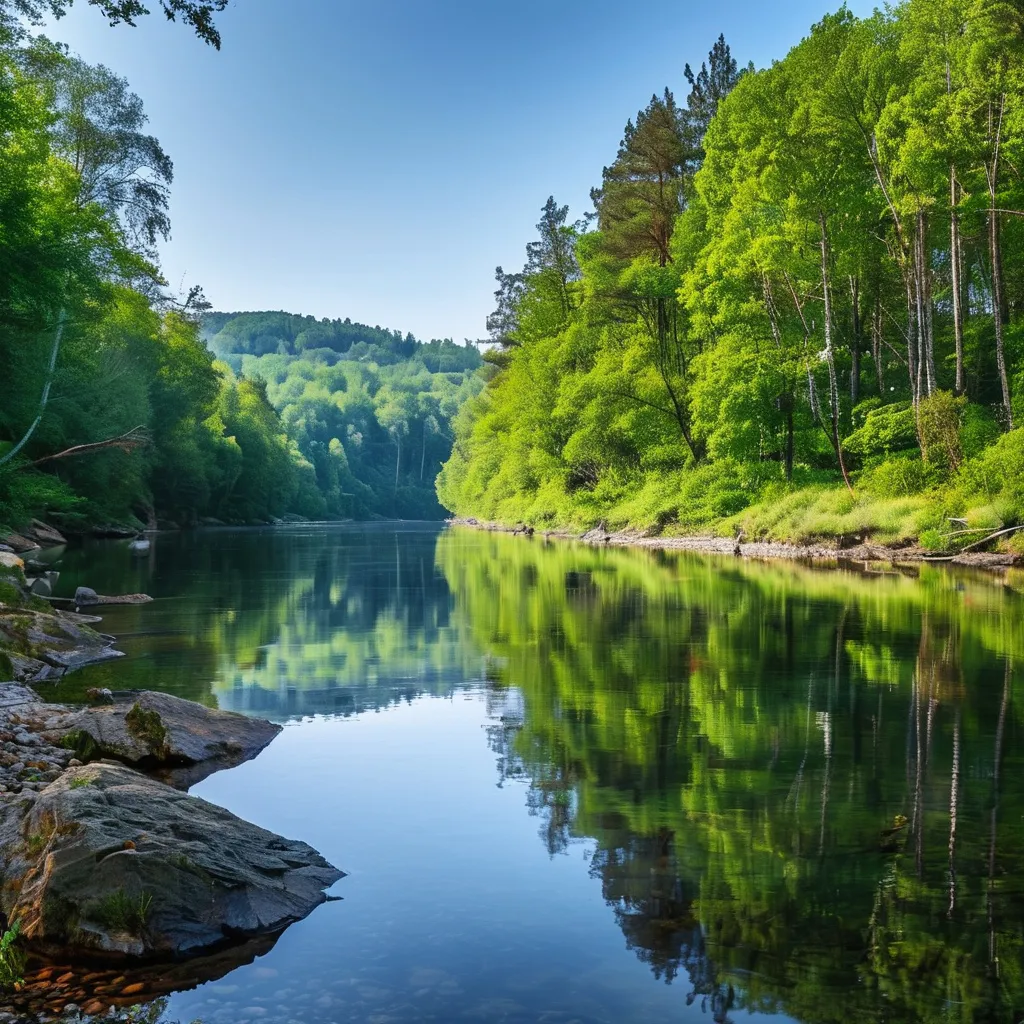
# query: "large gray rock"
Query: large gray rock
110,862
45,535
156,730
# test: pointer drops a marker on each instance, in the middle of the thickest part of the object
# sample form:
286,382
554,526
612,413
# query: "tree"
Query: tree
99,131
198,14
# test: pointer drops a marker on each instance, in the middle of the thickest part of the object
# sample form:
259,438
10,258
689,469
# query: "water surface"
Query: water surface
583,785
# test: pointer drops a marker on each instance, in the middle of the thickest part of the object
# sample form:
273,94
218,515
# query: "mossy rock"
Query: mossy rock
147,727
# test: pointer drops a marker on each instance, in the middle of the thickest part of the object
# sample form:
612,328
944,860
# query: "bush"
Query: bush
887,429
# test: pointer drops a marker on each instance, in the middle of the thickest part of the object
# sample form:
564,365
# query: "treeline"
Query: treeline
796,308
370,409
113,408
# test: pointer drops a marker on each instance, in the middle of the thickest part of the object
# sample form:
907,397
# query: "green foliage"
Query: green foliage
12,957
115,409
790,283
734,749
368,412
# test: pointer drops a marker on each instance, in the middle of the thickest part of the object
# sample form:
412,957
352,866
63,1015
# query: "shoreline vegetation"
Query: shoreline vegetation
795,313
821,553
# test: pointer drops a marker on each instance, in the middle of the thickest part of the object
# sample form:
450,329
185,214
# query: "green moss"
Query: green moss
146,726
83,745
6,668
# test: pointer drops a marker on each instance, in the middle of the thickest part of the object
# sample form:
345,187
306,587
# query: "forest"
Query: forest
795,310
370,409
116,412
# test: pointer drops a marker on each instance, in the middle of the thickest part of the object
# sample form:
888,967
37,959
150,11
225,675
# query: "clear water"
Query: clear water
582,785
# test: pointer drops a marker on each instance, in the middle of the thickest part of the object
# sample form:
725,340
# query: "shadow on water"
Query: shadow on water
799,792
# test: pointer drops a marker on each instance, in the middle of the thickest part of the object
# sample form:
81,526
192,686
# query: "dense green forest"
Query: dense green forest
796,309
370,409
114,409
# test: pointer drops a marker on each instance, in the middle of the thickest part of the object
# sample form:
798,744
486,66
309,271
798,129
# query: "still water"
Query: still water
583,785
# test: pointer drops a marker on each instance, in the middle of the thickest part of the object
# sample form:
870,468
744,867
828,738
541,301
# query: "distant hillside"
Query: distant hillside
370,408
232,335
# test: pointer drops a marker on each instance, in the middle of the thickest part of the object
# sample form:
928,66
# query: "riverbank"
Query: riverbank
111,870
759,550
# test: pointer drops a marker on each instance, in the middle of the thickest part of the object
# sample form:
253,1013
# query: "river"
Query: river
573,784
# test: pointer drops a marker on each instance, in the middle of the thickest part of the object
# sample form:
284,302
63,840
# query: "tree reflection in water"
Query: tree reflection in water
802,786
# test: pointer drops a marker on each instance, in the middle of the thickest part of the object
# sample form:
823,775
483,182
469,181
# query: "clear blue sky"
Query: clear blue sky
377,159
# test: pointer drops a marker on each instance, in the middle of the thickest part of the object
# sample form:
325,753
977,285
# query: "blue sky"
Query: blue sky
378,159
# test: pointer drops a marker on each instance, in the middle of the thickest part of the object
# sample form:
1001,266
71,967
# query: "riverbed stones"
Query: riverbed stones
157,730
110,861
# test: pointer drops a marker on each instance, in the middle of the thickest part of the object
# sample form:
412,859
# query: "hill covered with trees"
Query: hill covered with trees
796,309
369,409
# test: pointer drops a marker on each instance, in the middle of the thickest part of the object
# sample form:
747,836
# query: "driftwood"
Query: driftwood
976,544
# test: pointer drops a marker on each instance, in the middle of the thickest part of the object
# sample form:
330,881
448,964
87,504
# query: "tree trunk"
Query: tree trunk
830,359
789,437
876,345
908,284
956,274
54,351
923,309
423,456
999,308
398,458
855,344
998,304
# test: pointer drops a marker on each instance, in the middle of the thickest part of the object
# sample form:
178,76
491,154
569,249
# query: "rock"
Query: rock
197,877
45,535
18,544
85,596
63,640
9,560
41,587
155,730
139,546
211,521
99,695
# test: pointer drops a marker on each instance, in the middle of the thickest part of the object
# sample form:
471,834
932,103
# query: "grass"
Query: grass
121,912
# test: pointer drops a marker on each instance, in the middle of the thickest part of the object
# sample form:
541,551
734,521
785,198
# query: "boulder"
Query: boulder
157,731
18,544
105,861
45,535
41,587
86,595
